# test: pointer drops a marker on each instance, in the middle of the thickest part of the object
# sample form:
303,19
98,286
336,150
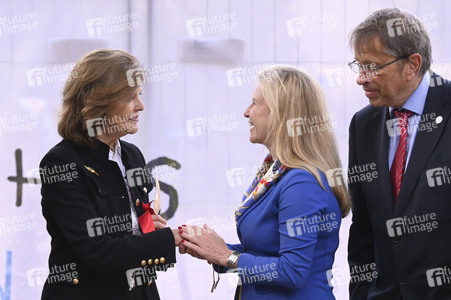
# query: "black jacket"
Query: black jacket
411,253
86,205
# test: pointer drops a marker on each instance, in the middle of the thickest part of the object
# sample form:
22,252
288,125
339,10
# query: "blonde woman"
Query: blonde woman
288,222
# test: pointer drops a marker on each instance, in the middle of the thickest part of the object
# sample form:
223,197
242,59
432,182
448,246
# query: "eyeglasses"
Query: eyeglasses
357,68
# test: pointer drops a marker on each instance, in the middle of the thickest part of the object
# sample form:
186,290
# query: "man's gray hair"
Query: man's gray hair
401,34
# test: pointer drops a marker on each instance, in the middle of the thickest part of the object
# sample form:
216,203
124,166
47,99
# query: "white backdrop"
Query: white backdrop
202,55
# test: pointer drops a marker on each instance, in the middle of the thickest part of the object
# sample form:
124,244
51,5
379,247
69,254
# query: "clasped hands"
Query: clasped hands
203,243
200,242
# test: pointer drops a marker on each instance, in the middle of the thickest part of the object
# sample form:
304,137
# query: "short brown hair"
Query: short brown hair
377,25
99,80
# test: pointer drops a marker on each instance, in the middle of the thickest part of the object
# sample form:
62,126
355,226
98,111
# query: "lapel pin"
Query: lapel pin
91,170
439,119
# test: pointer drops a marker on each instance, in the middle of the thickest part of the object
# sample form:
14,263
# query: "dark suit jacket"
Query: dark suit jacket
403,250
100,256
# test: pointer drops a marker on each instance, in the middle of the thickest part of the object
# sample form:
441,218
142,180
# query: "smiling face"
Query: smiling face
258,114
123,116
391,86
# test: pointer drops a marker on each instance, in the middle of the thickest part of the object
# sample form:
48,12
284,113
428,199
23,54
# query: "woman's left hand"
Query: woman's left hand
205,243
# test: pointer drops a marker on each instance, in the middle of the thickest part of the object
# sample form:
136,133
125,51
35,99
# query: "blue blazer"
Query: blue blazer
288,240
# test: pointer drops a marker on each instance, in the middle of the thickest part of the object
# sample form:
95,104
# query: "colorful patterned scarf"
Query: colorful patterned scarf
269,173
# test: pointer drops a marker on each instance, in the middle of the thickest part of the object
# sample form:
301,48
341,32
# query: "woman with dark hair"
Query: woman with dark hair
102,232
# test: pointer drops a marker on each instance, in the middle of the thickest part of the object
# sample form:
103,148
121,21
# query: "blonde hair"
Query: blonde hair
99,80
294,96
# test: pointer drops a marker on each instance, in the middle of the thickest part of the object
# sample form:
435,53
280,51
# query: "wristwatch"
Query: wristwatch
232,259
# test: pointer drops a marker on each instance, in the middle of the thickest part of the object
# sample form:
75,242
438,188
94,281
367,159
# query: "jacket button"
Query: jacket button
402,281
162,260
137,202
156,261
145,190
143,263
149,262
396,240
75,281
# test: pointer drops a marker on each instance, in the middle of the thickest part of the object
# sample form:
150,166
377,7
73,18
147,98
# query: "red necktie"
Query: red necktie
399,162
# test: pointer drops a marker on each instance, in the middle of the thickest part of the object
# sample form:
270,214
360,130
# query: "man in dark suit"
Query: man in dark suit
401,217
